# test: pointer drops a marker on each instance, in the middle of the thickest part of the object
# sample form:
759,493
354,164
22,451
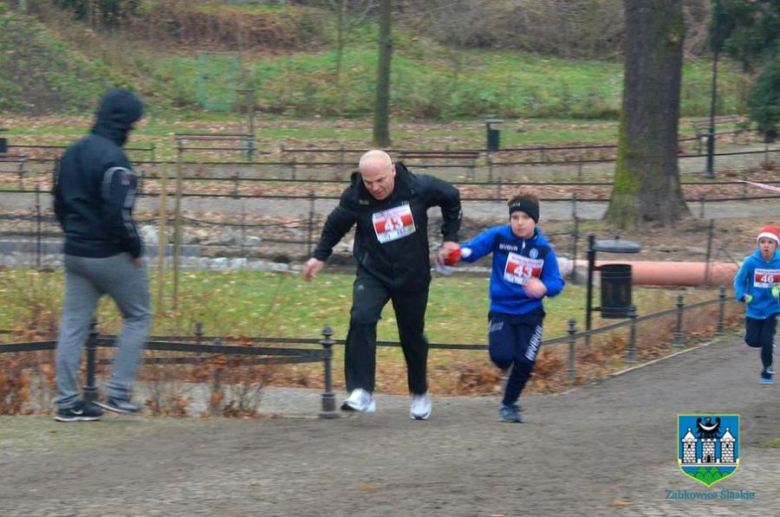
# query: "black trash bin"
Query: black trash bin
615,290
493,135
493,139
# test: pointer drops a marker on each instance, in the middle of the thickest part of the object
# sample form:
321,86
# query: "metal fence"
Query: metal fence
191,148
34,233
200,344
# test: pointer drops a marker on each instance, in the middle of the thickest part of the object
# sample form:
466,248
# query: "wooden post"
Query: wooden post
177,229
162,239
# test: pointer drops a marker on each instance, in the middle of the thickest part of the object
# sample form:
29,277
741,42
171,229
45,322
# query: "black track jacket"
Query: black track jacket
391,241
94,186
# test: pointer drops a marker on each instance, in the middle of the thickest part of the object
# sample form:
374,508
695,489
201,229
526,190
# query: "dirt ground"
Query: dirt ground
604,449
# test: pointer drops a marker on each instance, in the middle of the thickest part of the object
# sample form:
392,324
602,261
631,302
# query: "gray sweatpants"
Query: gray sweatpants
86,281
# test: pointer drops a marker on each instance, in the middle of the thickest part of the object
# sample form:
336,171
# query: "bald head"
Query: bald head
378,173
375,158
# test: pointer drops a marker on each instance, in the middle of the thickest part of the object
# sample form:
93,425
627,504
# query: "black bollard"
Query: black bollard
679,337
198,332
572,352
721,329
632,335
328,397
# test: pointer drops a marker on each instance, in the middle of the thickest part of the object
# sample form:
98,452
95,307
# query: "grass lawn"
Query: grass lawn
274,132
246,303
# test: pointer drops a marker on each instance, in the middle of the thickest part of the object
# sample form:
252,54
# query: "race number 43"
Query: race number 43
393,224
520,269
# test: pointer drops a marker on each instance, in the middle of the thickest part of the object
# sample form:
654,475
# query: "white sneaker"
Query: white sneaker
360,400
421,407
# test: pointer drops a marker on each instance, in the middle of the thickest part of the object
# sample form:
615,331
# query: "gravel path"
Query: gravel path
605,449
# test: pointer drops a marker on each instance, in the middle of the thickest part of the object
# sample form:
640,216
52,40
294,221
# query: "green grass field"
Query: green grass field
429,82
427,85
273,132
245,303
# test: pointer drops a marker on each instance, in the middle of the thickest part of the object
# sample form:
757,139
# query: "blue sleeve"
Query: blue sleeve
551,275
480,245
740,281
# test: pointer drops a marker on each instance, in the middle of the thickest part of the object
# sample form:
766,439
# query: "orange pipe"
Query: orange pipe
669,273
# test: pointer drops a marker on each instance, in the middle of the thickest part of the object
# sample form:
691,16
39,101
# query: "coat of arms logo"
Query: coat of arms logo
708,446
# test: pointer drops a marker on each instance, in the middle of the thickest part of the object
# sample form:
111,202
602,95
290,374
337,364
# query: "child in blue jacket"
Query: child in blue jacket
756,284
524,271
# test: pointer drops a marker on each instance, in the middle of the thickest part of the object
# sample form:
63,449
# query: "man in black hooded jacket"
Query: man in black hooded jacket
390,206
94,194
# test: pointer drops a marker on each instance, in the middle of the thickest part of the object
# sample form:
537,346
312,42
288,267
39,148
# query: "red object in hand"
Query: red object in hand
452,258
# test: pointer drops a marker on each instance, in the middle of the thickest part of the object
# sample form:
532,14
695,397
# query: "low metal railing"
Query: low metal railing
198,343
264,355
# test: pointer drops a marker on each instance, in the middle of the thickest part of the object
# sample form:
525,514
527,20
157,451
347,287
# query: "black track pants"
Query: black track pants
369,296
761,334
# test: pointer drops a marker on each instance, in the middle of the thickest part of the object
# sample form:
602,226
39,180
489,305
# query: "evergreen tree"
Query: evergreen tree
749,32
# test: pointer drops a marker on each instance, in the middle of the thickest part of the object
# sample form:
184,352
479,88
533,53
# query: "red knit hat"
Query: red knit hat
770,232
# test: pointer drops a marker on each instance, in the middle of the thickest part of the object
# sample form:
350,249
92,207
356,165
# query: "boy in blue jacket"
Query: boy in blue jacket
524,271
756,284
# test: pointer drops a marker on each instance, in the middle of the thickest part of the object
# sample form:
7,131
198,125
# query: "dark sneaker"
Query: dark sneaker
79,412
120,406
766,376
510,414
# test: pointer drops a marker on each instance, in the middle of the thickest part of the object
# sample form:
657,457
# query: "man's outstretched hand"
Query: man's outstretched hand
312,268
447,248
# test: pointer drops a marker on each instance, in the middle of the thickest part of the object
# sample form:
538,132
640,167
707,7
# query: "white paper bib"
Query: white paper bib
393,224
766,278
520,269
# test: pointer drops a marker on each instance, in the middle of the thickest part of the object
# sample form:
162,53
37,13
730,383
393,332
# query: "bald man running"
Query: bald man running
390,206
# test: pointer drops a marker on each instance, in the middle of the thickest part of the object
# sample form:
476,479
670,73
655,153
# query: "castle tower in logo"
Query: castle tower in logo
727,447
708,446
689,448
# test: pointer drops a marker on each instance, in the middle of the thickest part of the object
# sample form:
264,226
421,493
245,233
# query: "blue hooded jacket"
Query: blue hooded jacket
514,261
756,277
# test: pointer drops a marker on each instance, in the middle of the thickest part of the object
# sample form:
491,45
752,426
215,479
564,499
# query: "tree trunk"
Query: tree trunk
340,36
382,105
647,178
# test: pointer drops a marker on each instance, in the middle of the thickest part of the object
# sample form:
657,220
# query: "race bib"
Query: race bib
766,278
394,224
519,269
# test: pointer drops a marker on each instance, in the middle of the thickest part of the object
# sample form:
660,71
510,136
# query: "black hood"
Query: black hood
118,111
